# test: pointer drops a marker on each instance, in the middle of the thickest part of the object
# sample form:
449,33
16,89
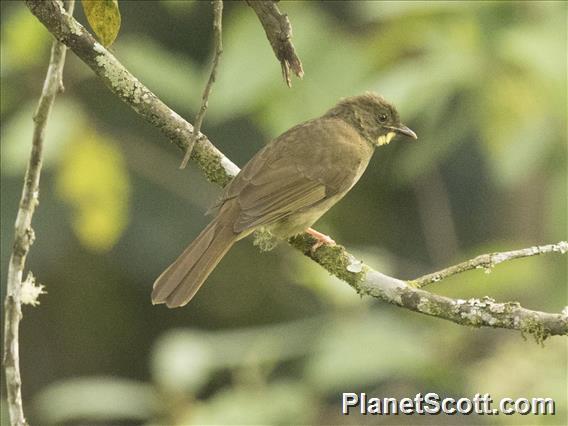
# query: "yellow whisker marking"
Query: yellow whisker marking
385,139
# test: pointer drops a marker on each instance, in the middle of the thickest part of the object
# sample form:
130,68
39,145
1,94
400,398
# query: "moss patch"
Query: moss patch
210,163
334,259
536,328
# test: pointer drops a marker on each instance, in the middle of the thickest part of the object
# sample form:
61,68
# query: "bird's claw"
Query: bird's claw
321,239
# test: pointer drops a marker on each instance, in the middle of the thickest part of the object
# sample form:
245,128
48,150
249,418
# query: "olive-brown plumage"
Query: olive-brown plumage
286,187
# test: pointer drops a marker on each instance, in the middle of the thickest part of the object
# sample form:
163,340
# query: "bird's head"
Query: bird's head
373,117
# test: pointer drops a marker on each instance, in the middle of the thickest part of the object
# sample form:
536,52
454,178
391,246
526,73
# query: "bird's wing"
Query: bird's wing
274,193
295,171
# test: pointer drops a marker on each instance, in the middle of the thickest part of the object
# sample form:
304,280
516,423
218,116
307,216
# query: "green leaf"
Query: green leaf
104,19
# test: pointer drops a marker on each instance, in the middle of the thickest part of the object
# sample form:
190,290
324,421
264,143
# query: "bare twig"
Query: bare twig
24,235
279,33
487,262
218,42
219,169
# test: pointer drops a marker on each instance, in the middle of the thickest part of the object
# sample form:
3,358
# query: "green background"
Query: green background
272,338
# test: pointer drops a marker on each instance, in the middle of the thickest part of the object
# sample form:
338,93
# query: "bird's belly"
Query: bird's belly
298,222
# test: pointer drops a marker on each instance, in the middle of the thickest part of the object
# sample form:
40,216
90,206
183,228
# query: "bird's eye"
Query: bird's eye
383,117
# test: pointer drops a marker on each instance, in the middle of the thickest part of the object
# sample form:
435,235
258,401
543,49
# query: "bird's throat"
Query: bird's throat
385,139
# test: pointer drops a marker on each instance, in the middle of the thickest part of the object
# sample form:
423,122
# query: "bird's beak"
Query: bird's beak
403,130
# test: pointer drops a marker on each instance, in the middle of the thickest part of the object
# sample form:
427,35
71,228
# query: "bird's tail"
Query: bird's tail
178,284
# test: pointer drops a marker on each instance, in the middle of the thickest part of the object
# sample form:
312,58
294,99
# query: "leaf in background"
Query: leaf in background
514,365
102,399
525,102
280,403
448,60
424,85
65,121
181,362
93,179
369,347
538,49
517,131
104,19
376,11
184,359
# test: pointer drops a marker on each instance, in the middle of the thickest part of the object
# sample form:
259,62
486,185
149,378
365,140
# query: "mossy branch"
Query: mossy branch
219,169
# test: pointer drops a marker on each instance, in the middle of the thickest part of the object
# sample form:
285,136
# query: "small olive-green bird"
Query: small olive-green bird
286,187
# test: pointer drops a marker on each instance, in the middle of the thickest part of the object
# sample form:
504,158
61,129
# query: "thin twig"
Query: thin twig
279,33
218,36
24,235
219,169
487,262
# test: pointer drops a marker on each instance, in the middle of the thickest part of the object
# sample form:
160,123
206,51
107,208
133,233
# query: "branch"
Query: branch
218,33
487,262
279,33
24,236
484,312
127,88
335,259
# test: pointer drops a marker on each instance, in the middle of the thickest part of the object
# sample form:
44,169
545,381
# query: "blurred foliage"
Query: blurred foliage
92,178
272,338
23,42
97,399
57,139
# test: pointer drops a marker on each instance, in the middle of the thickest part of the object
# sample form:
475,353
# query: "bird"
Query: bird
286,187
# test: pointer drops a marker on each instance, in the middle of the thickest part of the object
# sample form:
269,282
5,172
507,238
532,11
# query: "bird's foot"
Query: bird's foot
321,239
